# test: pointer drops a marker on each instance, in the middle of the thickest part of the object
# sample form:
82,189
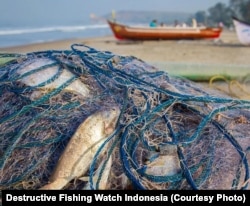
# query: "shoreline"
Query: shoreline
226,50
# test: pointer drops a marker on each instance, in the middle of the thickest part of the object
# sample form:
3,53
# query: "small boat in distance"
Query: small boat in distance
242,30
122,31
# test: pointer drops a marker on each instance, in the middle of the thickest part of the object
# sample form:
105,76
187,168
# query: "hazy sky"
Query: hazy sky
28,11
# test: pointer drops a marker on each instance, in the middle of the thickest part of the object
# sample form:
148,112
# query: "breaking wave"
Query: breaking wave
51,29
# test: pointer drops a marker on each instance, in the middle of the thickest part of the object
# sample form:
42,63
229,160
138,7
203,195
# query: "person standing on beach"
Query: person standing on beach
153,23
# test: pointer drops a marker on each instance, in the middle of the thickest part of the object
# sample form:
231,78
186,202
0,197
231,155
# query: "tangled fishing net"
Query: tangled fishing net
170,134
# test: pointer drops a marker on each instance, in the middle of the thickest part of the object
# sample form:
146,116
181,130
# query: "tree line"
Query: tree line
223,13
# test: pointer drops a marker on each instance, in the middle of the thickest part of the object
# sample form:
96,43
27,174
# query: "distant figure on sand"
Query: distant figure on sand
194,23
162,24
153,23
220,24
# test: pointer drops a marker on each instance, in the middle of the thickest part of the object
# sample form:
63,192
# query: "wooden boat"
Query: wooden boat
122,31
242,30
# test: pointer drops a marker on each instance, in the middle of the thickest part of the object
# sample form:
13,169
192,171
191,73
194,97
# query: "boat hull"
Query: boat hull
121,31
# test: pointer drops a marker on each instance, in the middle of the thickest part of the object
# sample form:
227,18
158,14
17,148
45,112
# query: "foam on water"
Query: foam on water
27,35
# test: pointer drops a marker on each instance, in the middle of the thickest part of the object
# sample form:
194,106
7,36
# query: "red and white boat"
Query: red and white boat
122,31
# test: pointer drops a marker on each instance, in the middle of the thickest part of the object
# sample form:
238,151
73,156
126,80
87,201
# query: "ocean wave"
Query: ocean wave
51,29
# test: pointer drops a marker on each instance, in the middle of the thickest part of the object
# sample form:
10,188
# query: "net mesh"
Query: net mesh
171,133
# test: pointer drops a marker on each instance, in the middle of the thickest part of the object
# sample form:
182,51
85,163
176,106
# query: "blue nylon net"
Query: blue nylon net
171,133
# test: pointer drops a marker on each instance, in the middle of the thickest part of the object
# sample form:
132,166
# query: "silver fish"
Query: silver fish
43,75
80,151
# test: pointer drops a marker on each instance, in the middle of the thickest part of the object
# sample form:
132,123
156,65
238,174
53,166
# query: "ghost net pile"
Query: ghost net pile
170,134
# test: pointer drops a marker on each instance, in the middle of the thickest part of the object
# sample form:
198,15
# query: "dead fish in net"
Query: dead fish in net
80,150
82,147
171,134
76,158
44,70
165,164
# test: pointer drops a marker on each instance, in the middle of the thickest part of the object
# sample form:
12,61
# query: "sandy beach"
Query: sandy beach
194,59
225,50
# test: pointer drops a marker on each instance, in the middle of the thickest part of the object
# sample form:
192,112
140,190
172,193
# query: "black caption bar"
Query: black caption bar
87,197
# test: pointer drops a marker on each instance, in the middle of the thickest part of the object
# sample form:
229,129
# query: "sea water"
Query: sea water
22,35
